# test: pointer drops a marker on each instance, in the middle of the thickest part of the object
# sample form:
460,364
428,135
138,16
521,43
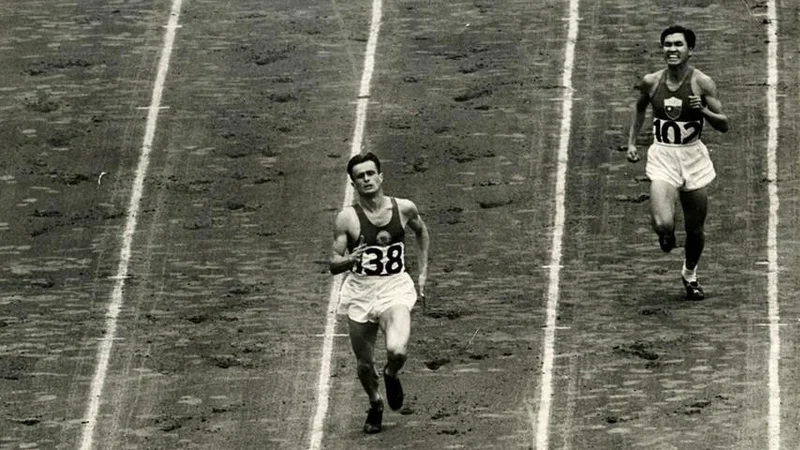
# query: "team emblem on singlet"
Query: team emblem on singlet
383,237
673,107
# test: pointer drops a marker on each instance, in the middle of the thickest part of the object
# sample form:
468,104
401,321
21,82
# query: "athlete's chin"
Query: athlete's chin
675,62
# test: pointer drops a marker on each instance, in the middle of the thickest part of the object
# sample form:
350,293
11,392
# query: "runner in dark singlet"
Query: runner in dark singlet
384,253
678,163
378,292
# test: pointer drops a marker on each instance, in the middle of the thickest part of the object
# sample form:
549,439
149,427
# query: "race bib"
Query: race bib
676,132
381,261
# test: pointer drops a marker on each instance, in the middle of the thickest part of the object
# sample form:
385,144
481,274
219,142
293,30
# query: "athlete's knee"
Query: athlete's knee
695,232
663,225
396,350
397,339
694,225
366,367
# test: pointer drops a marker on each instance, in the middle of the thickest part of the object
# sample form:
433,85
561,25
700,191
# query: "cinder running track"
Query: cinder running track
218,343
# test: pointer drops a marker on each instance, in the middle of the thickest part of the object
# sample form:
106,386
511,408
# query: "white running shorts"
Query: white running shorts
687,167
365,298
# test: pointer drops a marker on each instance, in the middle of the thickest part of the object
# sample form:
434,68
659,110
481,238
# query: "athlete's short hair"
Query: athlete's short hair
362,158
688,34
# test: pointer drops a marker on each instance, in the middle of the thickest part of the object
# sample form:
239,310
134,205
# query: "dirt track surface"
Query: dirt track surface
220,337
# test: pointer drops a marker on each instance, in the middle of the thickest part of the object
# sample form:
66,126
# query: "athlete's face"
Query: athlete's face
676,51
366,178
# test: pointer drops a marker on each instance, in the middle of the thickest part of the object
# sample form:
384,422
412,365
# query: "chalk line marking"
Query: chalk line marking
774,415
115,304
546,394
323,384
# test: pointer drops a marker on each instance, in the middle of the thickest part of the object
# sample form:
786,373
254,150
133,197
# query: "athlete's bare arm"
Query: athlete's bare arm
341,261
708,102
645,88
409,209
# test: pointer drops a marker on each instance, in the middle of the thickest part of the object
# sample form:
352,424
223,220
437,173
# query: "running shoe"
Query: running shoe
394,391
693,290
374,418
667,242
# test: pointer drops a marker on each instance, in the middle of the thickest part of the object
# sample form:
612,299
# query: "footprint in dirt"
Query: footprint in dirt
693,408
632,198
436,363
639,349
655,311
449,314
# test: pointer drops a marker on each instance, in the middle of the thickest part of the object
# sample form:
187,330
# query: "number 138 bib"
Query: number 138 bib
382,261
385,252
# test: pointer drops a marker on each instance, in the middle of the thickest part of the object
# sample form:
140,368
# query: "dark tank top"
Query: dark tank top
385,252
674,122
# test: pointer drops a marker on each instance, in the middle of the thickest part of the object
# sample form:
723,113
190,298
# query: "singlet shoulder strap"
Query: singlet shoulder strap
661,81
693,81
689,77
662,77
359,212
396,221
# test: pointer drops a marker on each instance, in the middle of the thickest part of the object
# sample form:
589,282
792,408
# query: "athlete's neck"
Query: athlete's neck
677,74
372,203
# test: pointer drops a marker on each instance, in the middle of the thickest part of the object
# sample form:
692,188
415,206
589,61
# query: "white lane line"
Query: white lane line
115,304
774,418
546,394
323,384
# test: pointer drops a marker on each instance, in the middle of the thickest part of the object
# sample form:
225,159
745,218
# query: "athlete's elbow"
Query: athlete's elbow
334,268
721,124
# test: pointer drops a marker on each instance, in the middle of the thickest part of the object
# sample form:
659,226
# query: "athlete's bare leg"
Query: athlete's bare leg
362,339
663,197
396,325
695,209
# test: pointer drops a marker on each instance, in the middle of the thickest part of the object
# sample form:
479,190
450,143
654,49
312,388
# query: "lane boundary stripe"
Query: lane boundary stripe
542,425
115,304
323,384
774,415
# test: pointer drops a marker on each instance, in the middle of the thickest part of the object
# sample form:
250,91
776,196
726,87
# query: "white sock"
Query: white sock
689,275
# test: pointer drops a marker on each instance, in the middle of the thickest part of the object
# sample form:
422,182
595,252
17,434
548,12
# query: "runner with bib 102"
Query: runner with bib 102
679,165
676,132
